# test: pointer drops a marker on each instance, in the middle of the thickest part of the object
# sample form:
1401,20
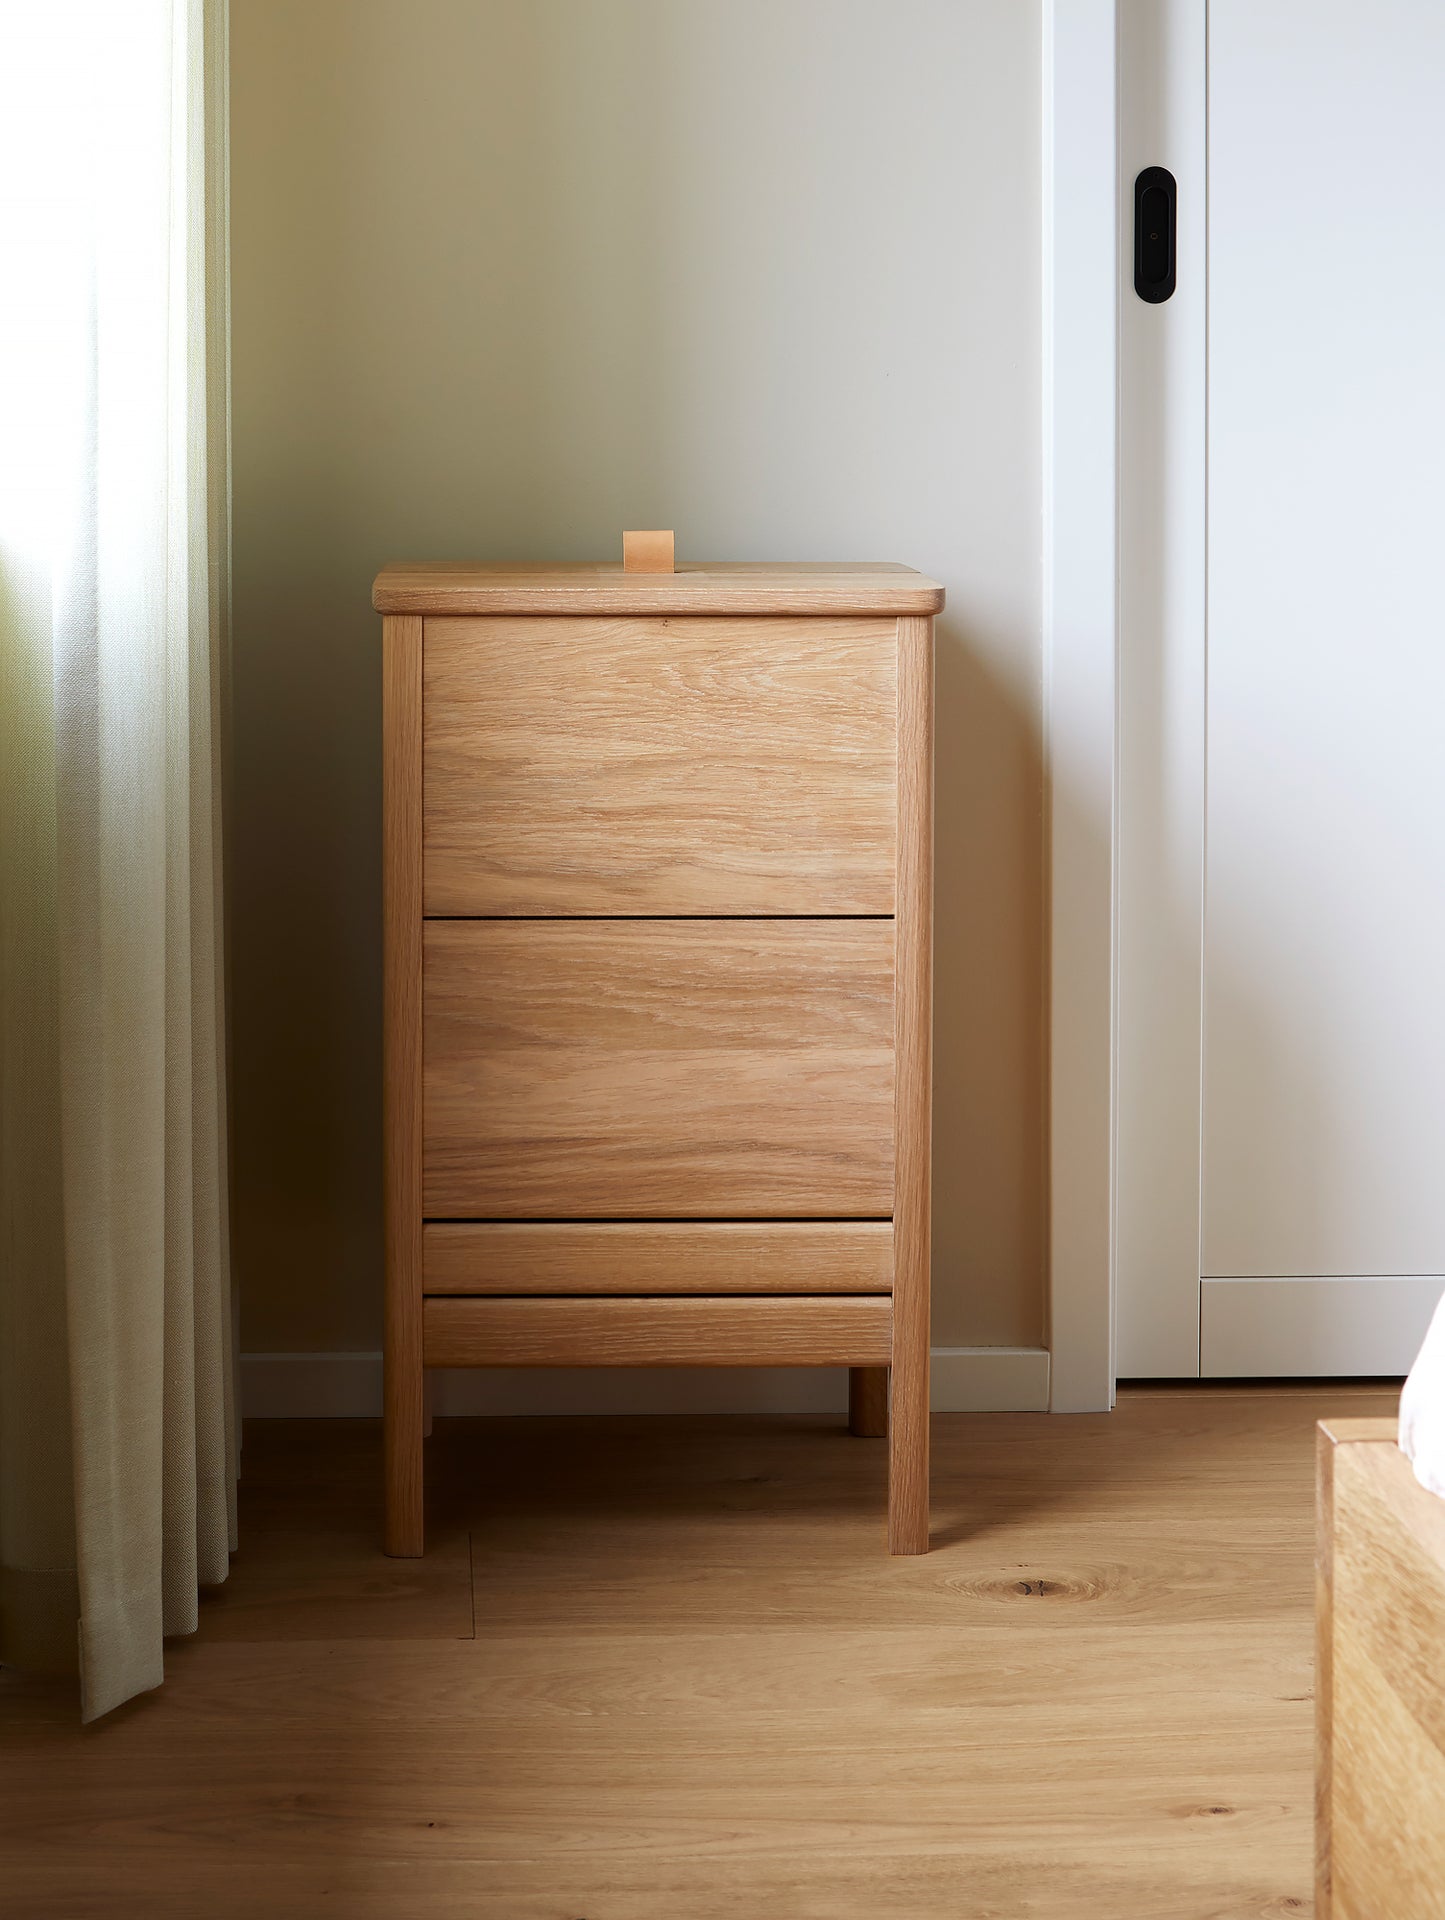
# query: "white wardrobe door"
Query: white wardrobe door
1324,1021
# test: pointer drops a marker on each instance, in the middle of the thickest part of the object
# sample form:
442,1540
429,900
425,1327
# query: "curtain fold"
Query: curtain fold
117,1403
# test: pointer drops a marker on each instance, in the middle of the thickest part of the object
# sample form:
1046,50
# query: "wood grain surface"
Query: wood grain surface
816,1330
616,1069
596,766
913,1110
695,588
1382,1749
649,551
659,1256
1324,1661
401,873
679,1678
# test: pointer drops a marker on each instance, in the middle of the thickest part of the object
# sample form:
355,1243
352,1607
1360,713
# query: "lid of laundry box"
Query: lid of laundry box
864,587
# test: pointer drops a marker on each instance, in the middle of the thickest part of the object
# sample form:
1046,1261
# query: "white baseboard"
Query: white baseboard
348,1386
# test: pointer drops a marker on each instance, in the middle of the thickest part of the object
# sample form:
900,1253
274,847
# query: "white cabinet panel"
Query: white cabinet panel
1303,1329
1324,988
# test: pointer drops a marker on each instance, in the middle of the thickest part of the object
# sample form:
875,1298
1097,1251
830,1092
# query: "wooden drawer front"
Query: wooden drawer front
847,1331
636,1069
663,1257
661,766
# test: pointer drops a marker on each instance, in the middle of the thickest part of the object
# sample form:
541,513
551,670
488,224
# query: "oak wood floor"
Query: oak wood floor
663,1670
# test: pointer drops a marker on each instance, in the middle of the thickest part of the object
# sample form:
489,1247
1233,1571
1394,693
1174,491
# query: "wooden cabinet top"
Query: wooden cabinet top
439,588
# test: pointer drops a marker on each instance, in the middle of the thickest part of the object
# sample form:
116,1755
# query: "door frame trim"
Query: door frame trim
1080,675
1163,478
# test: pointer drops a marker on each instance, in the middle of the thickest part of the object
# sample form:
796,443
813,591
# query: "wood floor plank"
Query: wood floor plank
978,1888
520,1689
308,1567
699,1687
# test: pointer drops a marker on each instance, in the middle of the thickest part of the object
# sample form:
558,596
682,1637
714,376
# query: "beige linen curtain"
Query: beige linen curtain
117,1423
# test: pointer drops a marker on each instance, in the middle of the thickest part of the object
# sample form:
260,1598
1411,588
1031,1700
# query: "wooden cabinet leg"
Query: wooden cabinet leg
908,1454
912,1111
868,1402
403,1427
403,1409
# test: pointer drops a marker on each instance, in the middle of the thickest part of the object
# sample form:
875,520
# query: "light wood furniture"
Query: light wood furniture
653,552
1379,1681
658,878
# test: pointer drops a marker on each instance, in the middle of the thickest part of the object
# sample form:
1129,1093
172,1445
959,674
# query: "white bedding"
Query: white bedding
1422,1408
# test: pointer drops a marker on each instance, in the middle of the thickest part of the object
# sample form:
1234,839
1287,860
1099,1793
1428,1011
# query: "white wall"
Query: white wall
510,275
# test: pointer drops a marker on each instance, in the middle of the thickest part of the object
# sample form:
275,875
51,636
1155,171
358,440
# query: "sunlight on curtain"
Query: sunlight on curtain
117,1448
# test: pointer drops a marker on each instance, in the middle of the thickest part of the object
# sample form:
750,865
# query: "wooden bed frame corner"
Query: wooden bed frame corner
1379,1680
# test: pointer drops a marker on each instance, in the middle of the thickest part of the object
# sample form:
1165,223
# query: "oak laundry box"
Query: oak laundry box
658,870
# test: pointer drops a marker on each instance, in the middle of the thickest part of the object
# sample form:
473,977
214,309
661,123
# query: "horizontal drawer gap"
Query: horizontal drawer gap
659,1220
660,1293
543,919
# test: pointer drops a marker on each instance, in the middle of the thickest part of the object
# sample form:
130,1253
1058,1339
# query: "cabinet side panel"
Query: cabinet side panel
401,1076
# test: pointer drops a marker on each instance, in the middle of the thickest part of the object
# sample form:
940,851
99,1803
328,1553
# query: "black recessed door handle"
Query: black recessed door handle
1154,196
